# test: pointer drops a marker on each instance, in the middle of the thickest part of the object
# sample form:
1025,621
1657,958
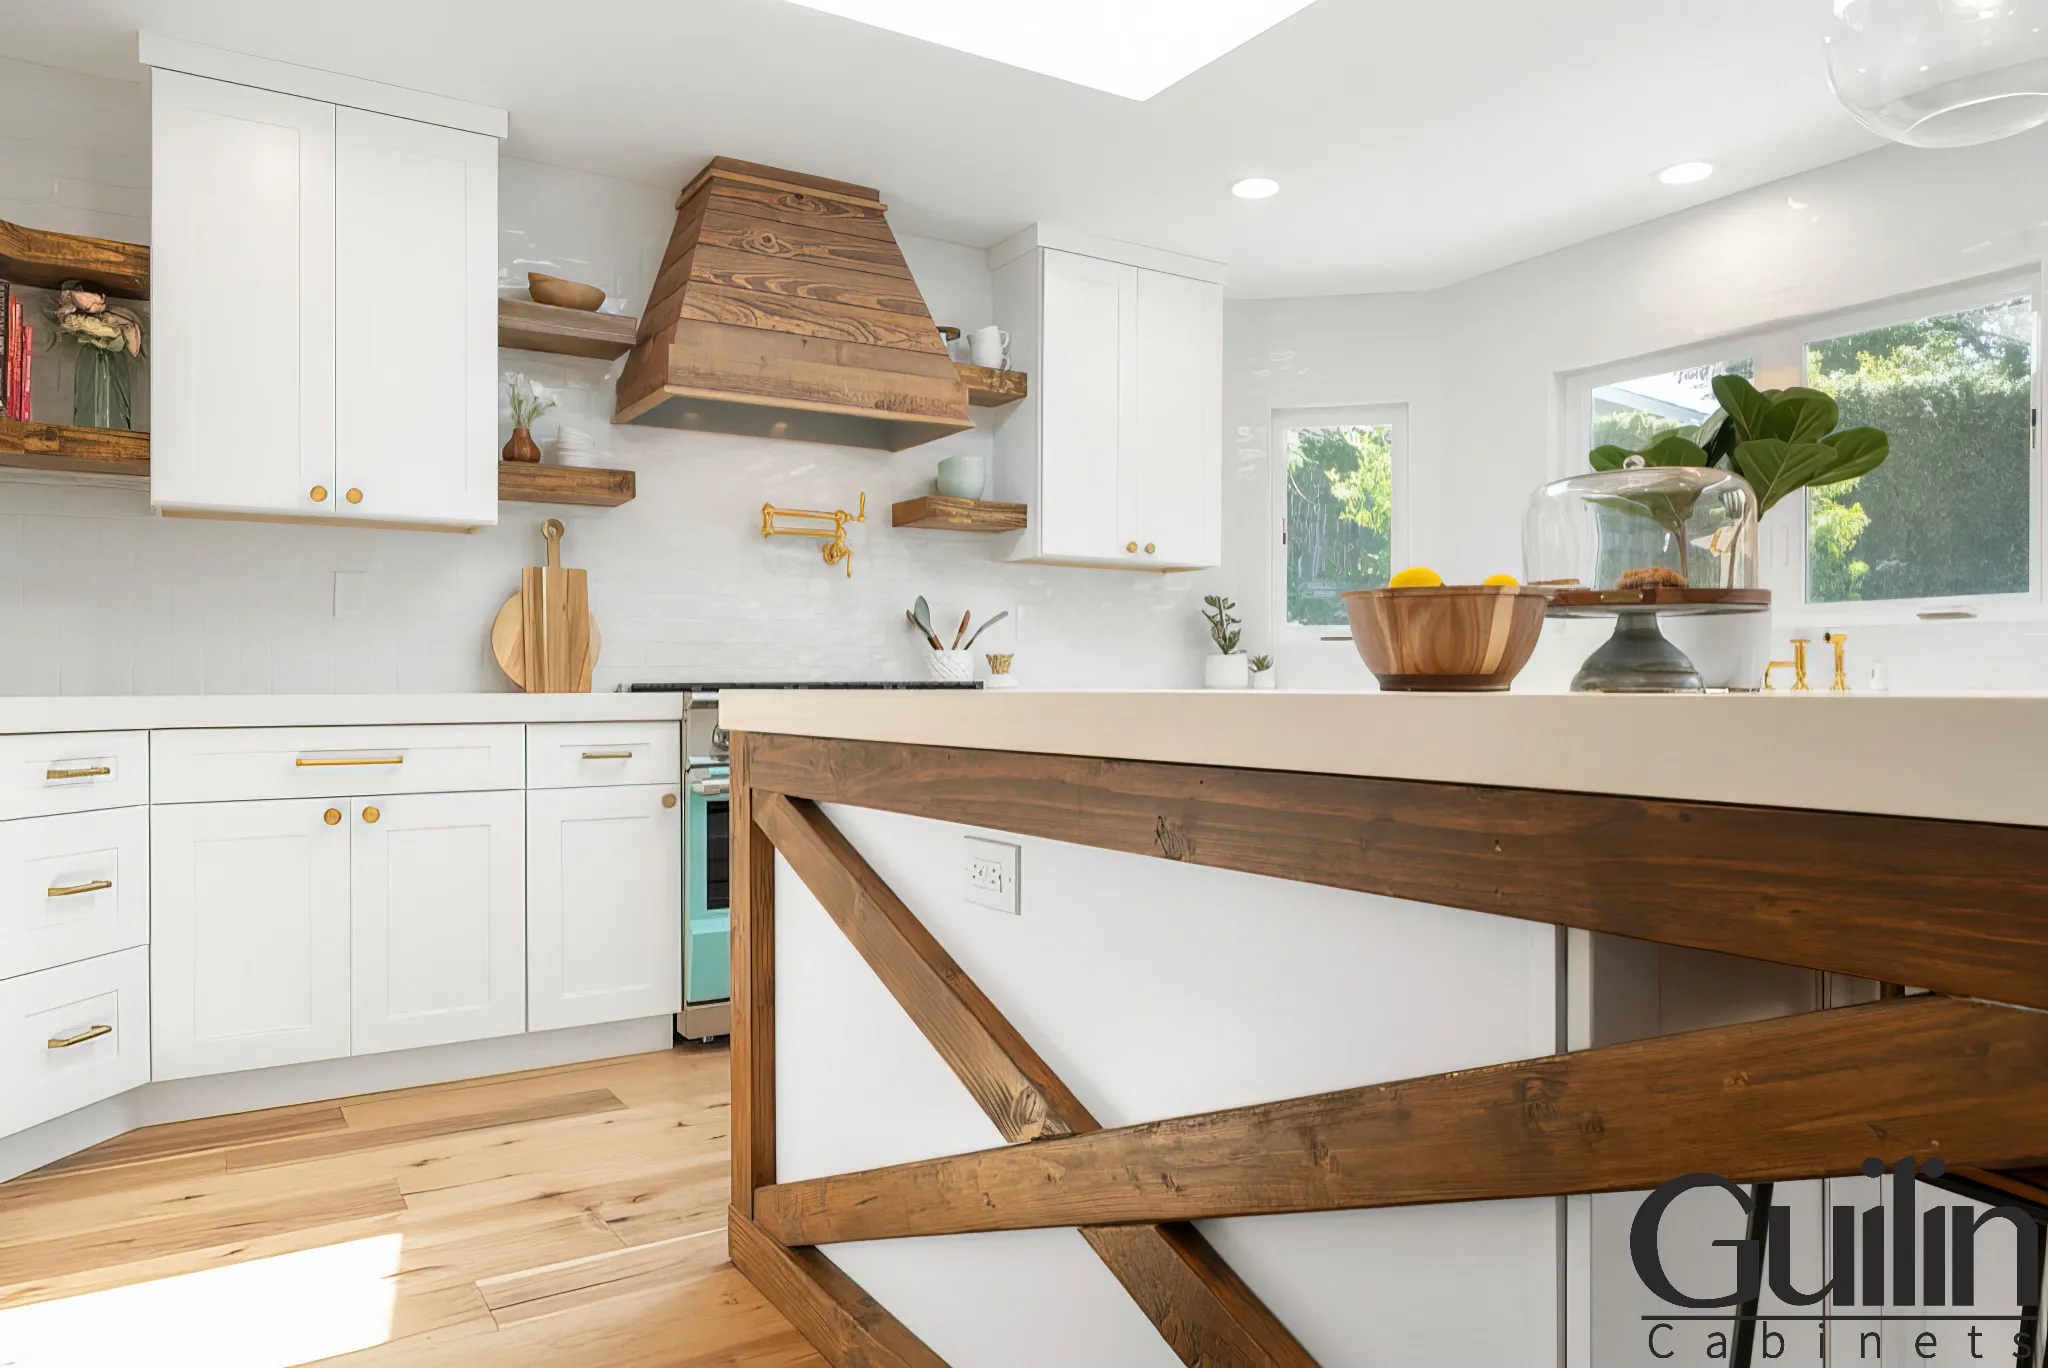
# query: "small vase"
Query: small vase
522,447
1265,679
1225,671
99,391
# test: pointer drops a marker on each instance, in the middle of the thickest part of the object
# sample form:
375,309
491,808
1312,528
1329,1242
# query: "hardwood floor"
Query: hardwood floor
567,1217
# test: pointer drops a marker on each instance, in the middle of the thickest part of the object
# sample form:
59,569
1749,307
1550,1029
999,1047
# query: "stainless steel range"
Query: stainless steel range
707,786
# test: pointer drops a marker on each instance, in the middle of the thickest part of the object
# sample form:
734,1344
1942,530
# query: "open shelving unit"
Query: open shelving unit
988,388
527,326
937,513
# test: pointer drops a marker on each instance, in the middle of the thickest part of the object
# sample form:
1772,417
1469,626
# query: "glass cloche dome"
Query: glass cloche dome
1642,528
1941,73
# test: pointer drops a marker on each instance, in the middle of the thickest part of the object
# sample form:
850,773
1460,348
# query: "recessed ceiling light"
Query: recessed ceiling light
1132,48
1255,187
1686,173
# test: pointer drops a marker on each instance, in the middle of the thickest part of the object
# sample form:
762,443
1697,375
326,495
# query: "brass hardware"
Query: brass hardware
332,816
371,814
1131,547
668,800
1797,665
607,755
319,493
835,548
354,496
87,772
303,763
1839,641
1150,548
74,890
90,1033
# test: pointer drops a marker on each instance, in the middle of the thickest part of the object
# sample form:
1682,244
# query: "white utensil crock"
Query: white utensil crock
952,667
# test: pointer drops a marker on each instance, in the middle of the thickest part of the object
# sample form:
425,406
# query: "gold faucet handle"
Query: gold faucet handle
1840,641
1774,665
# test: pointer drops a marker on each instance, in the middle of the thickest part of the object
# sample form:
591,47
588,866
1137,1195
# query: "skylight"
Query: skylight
1132,48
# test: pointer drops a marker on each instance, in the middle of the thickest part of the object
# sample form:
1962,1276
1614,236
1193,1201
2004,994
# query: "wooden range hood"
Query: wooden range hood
784,309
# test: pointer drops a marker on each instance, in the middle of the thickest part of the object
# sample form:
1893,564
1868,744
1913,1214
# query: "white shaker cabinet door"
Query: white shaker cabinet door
1086,385
440,918
604,871
417,261
249,935
1178,484
242,299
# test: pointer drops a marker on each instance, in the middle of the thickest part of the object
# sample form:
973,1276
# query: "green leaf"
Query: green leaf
1861,449
1777,468
1670,449
1743,404
1759,463
1608,457
1799,415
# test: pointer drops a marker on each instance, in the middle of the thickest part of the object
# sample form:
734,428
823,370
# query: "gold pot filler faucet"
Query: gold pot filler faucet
835,549
1797,664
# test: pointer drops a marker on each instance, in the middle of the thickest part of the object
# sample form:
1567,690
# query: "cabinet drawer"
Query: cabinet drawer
71,1036
228,764
598,754
72,772
72,887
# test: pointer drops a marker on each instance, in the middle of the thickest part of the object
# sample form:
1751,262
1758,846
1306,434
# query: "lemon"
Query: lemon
1416,577
1501,581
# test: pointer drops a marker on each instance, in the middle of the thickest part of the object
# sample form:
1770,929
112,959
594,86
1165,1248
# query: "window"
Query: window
1948,513
1338,471
1949,525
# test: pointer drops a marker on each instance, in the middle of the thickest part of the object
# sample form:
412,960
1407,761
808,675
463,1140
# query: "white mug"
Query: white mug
989,347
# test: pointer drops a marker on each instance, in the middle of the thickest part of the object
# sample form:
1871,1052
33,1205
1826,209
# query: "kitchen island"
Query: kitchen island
1258,914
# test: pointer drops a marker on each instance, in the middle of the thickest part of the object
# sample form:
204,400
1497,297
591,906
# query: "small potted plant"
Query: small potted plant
1227,669
1262,672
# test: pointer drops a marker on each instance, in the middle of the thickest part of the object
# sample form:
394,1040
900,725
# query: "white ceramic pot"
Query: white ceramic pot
952,667
1265,679
1729,650
1225,671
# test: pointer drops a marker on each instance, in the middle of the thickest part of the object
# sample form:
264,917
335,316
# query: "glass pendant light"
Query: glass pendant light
1941,73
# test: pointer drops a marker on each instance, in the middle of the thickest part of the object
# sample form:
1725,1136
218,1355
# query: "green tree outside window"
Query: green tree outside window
1340,517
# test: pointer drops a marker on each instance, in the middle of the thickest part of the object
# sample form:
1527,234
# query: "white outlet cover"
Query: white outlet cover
988,874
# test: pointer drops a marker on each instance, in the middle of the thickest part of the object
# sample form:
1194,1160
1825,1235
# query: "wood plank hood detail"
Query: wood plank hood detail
784,308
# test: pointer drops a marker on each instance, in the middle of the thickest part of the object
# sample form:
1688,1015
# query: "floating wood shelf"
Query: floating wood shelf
566,332
519,482
106,451
988,388
937,513
30,256
46,446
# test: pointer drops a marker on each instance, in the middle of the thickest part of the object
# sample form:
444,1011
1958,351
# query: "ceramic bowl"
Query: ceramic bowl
1462,638
961,477
563,294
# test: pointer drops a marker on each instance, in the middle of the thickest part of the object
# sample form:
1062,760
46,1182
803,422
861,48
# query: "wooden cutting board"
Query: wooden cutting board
543,637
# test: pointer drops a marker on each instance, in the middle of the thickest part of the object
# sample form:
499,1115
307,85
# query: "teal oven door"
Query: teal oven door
707,881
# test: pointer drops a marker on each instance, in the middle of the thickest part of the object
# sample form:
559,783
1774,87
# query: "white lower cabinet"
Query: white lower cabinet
249,912
604,913
437,890
71,1036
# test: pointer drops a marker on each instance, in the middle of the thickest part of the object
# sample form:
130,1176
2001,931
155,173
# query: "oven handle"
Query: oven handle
712,788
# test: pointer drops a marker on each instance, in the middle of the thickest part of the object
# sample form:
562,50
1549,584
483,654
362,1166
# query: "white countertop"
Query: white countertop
1969,757
164,711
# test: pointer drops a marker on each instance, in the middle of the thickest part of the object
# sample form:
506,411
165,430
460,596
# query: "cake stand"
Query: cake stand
1638,658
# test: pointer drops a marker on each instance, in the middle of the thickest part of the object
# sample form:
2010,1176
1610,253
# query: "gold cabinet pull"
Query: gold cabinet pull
607,755
303,763
90,1033
668,800
72,891
1131,546
332,816
319,493
1150,548
371,814
354,496
82,772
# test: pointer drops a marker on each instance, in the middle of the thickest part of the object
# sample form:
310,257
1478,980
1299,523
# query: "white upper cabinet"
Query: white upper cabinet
325,314
1119,449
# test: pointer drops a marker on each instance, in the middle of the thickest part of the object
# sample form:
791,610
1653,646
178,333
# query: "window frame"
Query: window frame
1392,415
1779,356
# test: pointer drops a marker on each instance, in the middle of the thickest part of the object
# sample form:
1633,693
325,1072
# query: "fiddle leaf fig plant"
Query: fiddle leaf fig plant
1781,441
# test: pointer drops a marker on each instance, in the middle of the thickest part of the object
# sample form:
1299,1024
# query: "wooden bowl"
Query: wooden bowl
1465,638
563,294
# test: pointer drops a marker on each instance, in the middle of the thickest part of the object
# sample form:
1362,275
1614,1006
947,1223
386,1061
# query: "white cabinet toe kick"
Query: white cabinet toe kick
243,917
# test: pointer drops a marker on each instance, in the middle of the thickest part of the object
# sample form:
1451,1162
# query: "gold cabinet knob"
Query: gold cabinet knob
319,493
1150,548
332,816
668,800
1131,546
354,496
371,814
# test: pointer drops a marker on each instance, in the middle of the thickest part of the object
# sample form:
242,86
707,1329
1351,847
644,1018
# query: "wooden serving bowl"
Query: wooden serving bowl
1465,638
563,294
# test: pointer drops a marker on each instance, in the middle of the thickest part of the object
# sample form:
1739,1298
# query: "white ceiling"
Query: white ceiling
1416,143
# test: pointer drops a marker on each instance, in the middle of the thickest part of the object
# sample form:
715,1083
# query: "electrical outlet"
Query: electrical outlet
991,875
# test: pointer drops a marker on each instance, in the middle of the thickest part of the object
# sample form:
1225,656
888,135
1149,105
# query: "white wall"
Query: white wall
99,596
1480,362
